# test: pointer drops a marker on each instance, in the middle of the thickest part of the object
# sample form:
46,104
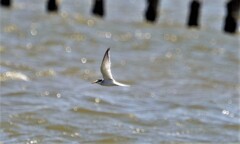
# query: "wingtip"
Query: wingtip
108,51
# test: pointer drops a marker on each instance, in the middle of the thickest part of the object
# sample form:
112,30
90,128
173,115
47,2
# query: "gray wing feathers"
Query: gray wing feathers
106,66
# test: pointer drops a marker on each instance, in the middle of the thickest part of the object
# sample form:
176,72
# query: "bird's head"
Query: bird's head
99,81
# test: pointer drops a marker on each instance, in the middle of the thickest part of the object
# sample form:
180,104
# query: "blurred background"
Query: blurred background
184,82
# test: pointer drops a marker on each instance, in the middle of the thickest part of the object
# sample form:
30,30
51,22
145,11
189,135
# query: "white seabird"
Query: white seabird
105,68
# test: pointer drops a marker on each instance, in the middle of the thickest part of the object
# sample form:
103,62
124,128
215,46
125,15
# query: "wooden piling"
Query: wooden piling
232,12
98,8
6,3
52,6
151,12
194,10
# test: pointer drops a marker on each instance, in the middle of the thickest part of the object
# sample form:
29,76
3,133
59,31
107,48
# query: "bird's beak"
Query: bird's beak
94,82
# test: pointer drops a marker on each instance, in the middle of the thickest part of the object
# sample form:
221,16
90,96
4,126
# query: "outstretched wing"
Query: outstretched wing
106,66
120,84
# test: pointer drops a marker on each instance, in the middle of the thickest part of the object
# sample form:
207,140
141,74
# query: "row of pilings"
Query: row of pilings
151,12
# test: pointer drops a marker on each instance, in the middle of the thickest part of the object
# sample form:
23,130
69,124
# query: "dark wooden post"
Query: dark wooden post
232,8
151,12
194,10
6,3
52,6
98,8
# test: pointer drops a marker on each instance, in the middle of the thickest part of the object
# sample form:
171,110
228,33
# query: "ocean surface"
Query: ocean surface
184,82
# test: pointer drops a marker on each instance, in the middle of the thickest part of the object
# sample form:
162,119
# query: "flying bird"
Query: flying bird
105,68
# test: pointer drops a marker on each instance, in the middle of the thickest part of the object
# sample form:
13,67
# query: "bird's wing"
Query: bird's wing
106,66
120,84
